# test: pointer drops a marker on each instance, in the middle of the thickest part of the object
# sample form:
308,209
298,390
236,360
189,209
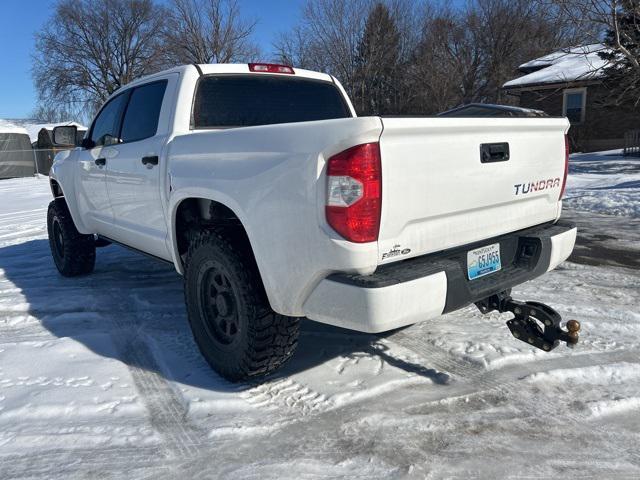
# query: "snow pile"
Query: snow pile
578,63
10,127
33,127
604,182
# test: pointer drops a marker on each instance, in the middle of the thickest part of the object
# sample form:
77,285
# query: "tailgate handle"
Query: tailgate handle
494,152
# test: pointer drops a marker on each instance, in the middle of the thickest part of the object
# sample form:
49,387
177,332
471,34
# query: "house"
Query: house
570,83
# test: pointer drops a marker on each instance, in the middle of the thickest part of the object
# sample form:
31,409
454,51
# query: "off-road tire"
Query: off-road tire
73,253
261,340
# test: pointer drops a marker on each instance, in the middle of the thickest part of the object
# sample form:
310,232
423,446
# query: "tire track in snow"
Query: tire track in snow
289,394
20,233
478,375
98,462
9,223
474,378
168,411
23,214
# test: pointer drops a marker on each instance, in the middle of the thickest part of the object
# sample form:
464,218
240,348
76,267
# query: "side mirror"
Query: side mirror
65,135
87,143
110,140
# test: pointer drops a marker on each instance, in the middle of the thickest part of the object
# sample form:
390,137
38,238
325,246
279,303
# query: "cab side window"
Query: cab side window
143,112
107,124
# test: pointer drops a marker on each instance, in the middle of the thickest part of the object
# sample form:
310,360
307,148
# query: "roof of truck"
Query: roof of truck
227,68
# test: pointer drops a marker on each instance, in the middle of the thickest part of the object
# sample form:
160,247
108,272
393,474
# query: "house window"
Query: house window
574,104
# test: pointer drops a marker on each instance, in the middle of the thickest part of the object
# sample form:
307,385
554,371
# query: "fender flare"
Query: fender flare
63,174
183,194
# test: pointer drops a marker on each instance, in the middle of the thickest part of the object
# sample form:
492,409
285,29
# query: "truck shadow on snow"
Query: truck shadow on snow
132,309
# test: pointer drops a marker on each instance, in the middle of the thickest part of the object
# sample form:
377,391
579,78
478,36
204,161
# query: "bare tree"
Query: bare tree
466,55
327,38
295,48
90,48
55,113
208,31
444,55
511,32
445,69
330,38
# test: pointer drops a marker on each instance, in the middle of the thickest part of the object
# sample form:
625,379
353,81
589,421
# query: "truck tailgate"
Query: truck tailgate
438,193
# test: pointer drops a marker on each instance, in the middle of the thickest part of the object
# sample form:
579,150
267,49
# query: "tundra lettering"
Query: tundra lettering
537,186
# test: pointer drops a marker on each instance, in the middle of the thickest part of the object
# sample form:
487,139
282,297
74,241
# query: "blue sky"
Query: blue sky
20,19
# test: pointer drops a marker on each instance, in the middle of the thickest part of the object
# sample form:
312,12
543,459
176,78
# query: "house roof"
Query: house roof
570,65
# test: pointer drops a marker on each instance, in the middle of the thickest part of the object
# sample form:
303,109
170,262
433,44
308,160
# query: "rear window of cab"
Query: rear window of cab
227,101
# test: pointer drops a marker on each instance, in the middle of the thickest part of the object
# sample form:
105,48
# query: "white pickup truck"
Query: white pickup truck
276,202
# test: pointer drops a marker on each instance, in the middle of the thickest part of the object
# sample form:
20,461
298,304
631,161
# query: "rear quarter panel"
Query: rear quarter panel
272,177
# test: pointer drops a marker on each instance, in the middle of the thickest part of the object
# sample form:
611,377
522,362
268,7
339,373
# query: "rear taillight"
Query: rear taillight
354,193
271,68
566,166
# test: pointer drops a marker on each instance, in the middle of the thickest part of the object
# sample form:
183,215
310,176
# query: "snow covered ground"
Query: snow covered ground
100,377
604,182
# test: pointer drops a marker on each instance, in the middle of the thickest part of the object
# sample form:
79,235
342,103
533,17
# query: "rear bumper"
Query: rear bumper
420,288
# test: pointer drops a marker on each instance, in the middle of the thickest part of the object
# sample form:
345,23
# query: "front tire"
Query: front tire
235,329
73,253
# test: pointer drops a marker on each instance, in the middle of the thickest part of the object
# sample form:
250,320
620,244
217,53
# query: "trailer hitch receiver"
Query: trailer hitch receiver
534,323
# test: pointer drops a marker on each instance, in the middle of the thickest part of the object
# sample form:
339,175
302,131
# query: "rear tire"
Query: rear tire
235,329
73,253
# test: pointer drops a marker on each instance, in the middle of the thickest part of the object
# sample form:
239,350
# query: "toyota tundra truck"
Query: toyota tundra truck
276,202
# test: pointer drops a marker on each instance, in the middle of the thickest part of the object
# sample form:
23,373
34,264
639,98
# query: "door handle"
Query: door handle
494,152
101,162
151,160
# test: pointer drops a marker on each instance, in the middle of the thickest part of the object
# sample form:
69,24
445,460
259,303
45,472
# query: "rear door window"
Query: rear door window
224,101
143,112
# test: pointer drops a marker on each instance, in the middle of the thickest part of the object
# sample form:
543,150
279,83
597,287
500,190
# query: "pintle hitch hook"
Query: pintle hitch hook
534,323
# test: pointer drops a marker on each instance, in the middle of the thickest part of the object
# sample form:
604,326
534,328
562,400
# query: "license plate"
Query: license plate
483,261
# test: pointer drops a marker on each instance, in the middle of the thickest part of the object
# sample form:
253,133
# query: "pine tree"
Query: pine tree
378,60
622,73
